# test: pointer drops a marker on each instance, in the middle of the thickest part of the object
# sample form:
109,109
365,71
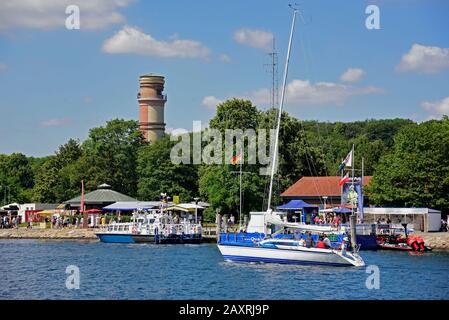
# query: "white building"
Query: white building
419,219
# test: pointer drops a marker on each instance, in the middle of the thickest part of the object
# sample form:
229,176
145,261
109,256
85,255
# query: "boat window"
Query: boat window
284,243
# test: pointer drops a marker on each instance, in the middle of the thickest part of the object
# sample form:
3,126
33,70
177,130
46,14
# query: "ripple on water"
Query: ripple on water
33,269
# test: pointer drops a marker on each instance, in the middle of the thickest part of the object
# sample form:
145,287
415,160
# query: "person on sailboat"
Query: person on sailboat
320,244
310,243
327,242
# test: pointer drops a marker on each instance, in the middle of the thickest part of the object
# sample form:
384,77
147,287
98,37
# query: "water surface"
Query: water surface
35,269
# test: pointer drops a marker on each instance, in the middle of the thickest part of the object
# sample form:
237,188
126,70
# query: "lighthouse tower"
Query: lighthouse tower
151,103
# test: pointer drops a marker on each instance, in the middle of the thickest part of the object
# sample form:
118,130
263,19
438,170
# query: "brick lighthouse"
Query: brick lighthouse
151,103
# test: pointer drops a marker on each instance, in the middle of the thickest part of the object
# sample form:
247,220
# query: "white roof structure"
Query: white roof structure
399,211
424,219
187,207
133,205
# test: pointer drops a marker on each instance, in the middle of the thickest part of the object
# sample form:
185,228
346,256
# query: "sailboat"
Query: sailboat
265,240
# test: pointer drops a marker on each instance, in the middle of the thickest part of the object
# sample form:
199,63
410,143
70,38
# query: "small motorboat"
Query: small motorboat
394,241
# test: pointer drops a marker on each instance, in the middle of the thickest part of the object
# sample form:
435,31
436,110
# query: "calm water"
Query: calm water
31,269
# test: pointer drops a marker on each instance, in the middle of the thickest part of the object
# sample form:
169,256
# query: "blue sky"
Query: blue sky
56,83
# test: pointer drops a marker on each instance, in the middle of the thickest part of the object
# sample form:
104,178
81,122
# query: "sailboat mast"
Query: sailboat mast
281,105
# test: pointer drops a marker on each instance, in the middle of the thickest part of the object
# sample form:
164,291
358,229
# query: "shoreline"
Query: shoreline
439,241
61,234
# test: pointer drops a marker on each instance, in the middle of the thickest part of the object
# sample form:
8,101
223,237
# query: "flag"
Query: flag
344,179
347,162
236,159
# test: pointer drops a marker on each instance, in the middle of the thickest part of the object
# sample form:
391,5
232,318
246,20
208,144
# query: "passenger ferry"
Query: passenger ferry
151,227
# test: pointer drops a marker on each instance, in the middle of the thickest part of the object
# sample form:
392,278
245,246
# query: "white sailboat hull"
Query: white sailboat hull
299,255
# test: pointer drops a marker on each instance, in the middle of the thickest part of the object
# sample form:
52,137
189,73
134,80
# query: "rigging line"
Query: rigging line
309,70
307,153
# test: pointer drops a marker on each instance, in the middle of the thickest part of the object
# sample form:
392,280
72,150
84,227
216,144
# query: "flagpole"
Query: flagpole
85,216
352,167
361,191
240,211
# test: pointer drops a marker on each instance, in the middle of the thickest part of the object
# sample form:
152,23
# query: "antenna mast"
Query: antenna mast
274,76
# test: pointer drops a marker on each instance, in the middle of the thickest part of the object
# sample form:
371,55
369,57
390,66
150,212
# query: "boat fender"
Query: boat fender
422,247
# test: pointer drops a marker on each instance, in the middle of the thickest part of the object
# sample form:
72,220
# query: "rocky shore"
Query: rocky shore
36,233
437,240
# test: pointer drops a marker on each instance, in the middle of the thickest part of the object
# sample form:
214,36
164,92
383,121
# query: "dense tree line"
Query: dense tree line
409,161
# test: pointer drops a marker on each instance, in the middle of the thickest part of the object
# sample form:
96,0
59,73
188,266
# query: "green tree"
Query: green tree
16,177
110,155
235,114
53,181
416,172
158,174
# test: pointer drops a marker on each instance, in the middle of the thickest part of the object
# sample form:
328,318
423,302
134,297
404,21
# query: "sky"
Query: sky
57,82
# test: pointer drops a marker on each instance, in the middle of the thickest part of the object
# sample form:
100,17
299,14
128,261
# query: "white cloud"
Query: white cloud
303,92
352,75
424,59
437,108
132,40
49,14
54,122
224,58
254,38
211,102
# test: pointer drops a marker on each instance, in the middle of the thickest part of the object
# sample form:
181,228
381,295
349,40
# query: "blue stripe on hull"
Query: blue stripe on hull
115,238
282,261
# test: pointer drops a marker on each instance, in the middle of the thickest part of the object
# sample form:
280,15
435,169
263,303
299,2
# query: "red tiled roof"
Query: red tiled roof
318,187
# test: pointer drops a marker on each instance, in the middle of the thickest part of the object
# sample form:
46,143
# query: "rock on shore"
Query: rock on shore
437,240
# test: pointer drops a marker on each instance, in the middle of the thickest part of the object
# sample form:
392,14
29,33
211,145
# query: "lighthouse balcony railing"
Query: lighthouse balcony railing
157,97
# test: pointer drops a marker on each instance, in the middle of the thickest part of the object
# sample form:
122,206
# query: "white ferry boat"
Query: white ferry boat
151,227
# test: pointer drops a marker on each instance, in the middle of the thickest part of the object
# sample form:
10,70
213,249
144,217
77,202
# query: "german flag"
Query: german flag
236,159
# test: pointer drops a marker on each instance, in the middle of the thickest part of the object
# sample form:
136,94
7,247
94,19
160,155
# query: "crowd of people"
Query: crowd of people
329,218
10,222
57,221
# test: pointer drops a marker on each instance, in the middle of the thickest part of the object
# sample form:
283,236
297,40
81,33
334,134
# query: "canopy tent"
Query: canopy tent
341,210
296,205
45,213
133,205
